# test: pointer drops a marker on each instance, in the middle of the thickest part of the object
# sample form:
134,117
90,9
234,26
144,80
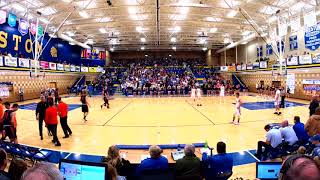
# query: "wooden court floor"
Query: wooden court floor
162,120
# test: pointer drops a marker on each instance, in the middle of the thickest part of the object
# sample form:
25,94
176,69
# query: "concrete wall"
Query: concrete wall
32,86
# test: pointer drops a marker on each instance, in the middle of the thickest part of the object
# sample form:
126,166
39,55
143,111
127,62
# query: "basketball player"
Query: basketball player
221,92
277,102
105,98
237,112
198,91
193,92
10,122
84,106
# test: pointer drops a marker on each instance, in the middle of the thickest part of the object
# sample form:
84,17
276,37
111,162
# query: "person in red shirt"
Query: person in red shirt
1,115
63,114
51,119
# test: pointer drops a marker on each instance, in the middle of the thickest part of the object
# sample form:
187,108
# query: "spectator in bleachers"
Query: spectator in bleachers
156,161
299,167
17,168
288,133
3,164
218,166
1,112
315,140
189,165
298,128
313,125
122,166
42,171
273,140
314,104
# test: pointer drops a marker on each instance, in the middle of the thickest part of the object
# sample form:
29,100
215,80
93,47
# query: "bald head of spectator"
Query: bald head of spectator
155,151
42,171
189,150
284,123
301,169
313,125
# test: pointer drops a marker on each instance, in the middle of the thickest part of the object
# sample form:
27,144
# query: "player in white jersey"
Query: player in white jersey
198,93
222,92
277,102
237,112
193,93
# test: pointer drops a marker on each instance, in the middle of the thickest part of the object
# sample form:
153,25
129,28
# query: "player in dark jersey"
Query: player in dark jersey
84,105
10,122
105,98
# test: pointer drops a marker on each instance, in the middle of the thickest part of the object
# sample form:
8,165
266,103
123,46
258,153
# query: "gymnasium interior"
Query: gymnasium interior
159,89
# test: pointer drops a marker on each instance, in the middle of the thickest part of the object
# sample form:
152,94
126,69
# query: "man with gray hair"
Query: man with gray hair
42,171
189,165
156,161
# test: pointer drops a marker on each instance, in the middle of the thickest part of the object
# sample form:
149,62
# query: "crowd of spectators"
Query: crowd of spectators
158,62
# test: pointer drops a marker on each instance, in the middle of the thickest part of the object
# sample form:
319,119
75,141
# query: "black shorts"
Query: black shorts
84,108
11,132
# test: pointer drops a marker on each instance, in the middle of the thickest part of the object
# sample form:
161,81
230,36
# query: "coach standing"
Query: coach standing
40,113
63,114
51,119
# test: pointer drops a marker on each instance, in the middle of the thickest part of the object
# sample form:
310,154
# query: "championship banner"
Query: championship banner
40,30
25,63
305,59
73,68
311,81
3,16
312,37
315,58
291,82
1,60
5,88
282,46
259,51
223,68
100,69
12,20
293,61
33,63
60,67
243,67
33,28
238,67
283,27
269,50
67,67
263,64
231,68
295,24
23,26
92,69
10,61
256,65
44,65
53,66
310,19
249,66
84,69
293,41
78,68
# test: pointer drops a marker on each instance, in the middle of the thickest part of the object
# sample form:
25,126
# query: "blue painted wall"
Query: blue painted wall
70,54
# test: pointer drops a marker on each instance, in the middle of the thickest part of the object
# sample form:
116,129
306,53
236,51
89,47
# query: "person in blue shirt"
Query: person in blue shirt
156,161
301,133
218,166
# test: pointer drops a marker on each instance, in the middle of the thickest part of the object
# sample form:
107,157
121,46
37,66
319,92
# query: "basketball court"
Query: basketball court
165,120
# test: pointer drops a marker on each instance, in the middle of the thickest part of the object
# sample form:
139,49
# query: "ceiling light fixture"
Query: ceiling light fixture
84,14
213,30
70,33
174,48
111,49
143,39
232,14
204,49
142,48
173,39
103,30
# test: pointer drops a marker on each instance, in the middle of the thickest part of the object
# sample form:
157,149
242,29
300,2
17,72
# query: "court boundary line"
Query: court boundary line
200,112
117,113
253,156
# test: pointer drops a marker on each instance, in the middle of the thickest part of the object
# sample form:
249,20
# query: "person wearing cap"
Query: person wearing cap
189,165
156,161
315,140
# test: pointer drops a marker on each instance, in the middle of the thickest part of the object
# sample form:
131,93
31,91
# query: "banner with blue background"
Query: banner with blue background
293,41
312,37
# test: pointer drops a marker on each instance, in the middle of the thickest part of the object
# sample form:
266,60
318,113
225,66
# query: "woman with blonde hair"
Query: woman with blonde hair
122,166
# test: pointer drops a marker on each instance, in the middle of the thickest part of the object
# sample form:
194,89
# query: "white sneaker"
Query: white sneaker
236,123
